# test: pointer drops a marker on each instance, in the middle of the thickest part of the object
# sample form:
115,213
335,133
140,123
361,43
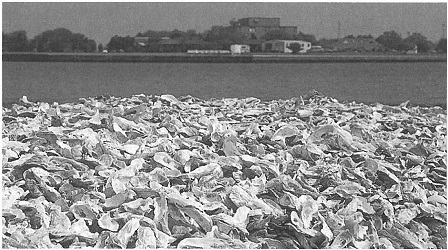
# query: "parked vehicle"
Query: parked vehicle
239,49
316,49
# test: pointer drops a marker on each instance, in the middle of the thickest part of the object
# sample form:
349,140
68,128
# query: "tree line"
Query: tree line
57,40
63,40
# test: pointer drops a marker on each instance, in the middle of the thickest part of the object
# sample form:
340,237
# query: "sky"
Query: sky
100,20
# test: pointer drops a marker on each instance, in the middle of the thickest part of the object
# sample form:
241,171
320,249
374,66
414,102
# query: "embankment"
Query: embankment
216,58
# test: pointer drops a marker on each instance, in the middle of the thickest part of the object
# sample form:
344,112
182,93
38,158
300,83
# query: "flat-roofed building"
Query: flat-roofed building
284,46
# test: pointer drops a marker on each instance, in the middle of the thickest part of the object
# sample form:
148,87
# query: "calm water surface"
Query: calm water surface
388,83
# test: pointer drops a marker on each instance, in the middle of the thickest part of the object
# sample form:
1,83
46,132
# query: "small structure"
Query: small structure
239,49
141,41
284,46
413,51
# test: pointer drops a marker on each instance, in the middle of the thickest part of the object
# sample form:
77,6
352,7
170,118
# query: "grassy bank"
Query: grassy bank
216,58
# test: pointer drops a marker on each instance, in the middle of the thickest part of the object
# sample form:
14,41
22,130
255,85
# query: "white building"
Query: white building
283,46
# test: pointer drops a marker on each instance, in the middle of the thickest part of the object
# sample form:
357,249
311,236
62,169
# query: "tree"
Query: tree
306,37
191,33
327,43
115,43
100,47
417,39
80,43
277,35
441,45
369,36
224,37
392,40
177,34
62,40
16,41
118,43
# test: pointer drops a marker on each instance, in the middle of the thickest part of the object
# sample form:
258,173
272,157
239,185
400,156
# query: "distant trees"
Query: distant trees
306,37
156,36
441,45
218,37
417,39
192,33
365,36
16,41
177,34
392,40
58,40
182,38
118,43
62,40
224,36
80,43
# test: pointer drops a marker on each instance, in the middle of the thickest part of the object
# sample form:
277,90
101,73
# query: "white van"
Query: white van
239,49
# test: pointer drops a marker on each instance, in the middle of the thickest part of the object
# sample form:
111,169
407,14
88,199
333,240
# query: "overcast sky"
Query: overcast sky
100,21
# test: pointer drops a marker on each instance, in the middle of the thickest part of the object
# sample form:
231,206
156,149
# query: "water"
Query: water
388,83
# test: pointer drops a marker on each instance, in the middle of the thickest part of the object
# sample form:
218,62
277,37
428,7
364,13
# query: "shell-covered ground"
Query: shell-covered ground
167,172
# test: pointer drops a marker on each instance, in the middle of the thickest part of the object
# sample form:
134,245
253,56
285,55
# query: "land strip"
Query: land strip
217,58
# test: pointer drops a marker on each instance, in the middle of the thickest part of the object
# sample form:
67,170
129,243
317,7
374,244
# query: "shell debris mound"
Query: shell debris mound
151,171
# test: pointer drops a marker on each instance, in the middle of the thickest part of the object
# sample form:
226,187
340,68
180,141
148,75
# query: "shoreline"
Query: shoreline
217,58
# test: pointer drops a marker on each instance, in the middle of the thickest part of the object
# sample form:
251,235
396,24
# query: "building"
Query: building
284,46
255,28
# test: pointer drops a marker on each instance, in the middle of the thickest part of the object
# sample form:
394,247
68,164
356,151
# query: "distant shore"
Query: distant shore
218,58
